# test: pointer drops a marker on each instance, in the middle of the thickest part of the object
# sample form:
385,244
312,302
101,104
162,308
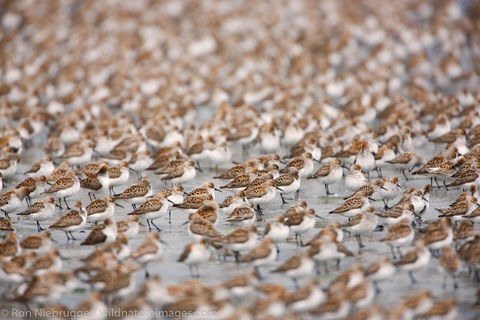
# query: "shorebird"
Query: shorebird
194,254
6,226
199,227
288,182
353,206
65,187
362,223
329,173
300,223
243,215
12,200
380,270
151,249
182,173
326,249
35,186
406,162
400,234
460,209
43,167
129,226
264,254
450,262
40,211
136,193
118,175
277,230
297,266
50,261
240,240
303,164
152,209
40,242
103,233
306,298
100,209
10,246
415,259
355,178
73,220
260,194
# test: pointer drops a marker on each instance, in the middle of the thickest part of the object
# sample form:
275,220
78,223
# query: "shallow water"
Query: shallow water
176,236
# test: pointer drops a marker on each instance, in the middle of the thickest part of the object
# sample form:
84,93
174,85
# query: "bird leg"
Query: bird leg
359,240
65,200
149,227
410,273
259,210
39,227
71,235
170,216
283,200
68,237
393,252
403,171
156,227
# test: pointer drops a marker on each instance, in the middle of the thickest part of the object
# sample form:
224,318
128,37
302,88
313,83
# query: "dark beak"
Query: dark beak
186,193
119,206
317,160
170,201
216,189
186,222
382,187
425,199
198,168
279,188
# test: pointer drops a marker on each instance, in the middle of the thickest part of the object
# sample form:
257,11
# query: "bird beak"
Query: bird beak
382,187
425,199
164,242
279,188
216,189
317,160
198,168
371,199
345,167
170,201
119,206
186,222
186,193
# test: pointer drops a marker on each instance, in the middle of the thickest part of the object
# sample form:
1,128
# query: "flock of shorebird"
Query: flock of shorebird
376,128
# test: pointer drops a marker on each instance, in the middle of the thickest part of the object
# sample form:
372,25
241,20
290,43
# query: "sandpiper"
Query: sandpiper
243,215
194,254
362,223
450,262
277,230
300,223
73,220
399,235
303,164
40,242
264,254
65,187
10,247
6,226
306,298
40,211
380,270
118,175
288,182
183,173
50,261
353,206
241,239
329,173
136,193
103,233
261,194
297,266
415,259
152,209
199,227
128,226
12,200
151,249
355,178
43,167
100,209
